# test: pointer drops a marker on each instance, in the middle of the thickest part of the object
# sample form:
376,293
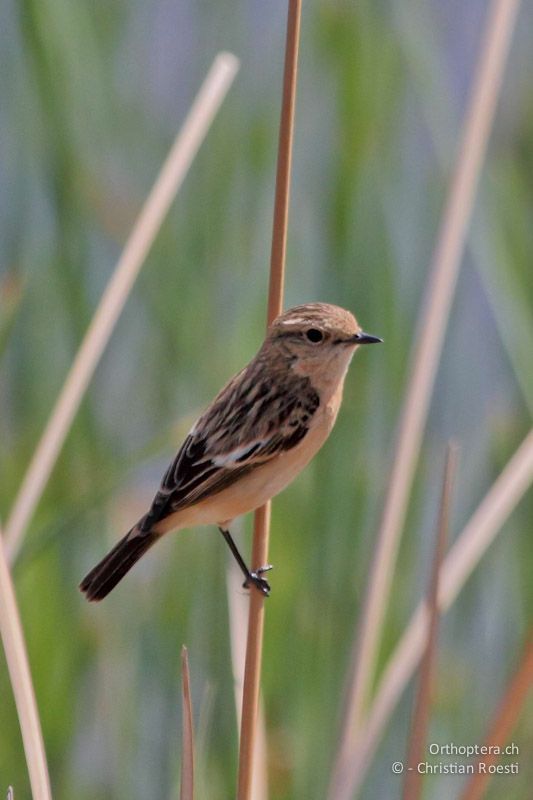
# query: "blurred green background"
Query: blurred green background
92,96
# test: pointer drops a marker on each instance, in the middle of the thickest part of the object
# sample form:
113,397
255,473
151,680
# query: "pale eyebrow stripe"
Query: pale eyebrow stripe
296,321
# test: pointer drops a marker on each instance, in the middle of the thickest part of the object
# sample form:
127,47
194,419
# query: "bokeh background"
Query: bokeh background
92,96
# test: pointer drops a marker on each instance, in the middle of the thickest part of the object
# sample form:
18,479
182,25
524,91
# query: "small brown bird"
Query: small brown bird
259,432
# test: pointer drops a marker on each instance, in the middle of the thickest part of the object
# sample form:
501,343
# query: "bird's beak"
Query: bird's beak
364,338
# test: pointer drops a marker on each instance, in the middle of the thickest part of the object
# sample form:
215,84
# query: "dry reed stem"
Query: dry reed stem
502,726
427,348
20,677
283,171
470,546
252,665
252,668
187,747
419,728
155,208
237,610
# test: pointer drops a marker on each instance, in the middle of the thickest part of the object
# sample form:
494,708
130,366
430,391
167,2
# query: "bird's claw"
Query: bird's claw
259,582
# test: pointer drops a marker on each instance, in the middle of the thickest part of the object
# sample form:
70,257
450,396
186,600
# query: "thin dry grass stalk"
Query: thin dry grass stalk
283,171
469,548
154,211
427,349
20,677
238,609
252,665
187,747
502,726
413,778
252,669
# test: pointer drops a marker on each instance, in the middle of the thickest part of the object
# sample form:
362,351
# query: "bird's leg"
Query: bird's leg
250,577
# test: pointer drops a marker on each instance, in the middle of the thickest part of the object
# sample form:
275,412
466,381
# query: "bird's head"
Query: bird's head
320,338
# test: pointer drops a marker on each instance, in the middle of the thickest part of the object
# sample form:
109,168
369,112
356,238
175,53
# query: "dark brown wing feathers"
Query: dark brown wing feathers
247,411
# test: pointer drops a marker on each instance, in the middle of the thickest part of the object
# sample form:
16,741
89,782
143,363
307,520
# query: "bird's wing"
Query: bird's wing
250,422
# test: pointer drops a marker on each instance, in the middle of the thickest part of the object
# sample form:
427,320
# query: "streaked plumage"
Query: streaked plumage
258,433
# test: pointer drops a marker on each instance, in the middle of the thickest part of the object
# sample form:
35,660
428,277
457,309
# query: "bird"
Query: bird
256,436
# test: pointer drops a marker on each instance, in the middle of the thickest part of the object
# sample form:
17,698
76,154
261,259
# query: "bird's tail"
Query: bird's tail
112,568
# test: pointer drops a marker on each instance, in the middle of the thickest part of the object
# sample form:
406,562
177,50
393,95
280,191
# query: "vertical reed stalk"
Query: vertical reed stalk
427,349
252,672
151,217
413,778
20,677
187,728
238,605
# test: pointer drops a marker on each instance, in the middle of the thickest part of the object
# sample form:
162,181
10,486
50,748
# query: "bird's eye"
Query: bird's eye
314,335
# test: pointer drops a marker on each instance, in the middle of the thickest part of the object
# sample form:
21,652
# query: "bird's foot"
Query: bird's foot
258,581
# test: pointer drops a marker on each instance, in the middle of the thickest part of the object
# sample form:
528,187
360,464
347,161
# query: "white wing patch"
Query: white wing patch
238,455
